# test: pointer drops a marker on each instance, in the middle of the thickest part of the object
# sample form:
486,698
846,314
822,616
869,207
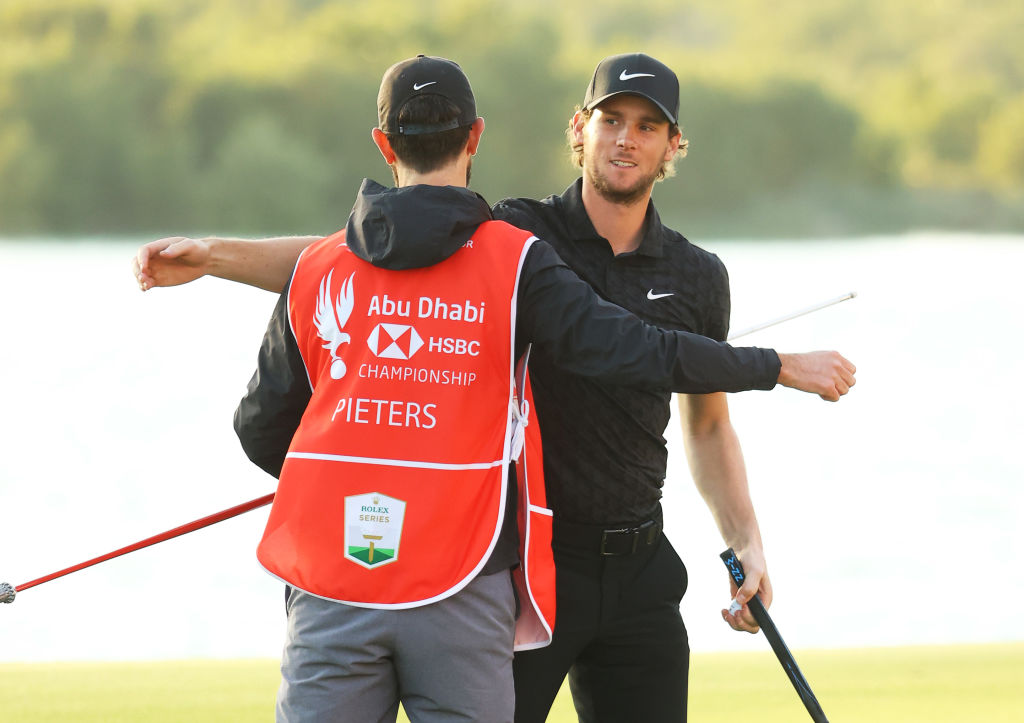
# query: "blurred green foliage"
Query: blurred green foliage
253,116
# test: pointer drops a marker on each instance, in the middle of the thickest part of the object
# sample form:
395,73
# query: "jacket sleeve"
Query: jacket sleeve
277,395
581,333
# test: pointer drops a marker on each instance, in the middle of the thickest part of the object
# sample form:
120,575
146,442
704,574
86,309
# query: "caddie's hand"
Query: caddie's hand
756,581
170,261
825,373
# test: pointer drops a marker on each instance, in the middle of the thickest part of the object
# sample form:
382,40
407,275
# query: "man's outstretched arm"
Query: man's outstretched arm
266,263
594,338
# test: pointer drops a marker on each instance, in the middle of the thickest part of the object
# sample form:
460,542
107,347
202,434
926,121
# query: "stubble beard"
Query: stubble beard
628,196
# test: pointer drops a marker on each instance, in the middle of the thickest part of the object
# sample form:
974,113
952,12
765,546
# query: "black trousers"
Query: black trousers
618,634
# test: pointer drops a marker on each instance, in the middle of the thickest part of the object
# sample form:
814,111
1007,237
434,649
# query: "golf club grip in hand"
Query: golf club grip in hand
757,609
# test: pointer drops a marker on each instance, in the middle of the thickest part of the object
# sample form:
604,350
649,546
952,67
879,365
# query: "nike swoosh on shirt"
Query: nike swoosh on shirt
629,76
652,296
421,86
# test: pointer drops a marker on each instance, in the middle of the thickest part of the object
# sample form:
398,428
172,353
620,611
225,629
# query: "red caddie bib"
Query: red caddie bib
394,487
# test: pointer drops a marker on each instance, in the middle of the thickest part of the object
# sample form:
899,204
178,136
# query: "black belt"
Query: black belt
624,540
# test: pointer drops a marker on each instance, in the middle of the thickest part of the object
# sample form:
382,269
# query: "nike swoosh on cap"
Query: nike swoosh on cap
652,296
421,86
629,76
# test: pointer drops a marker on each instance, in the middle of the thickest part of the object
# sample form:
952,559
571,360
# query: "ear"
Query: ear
380,139
475,131
577,128
673,146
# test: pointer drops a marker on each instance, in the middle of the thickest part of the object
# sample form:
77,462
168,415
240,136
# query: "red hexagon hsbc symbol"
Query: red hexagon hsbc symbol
394,341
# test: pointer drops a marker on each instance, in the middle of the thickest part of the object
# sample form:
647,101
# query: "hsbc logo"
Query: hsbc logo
394,341
444,345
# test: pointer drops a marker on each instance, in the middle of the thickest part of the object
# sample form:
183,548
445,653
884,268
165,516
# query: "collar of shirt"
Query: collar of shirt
581,228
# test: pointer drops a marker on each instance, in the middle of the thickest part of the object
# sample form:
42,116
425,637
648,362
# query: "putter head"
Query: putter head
7,593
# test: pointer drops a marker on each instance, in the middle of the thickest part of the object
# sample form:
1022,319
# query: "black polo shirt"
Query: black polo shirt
604,450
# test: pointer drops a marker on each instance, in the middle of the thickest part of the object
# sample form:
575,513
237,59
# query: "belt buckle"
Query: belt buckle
634,531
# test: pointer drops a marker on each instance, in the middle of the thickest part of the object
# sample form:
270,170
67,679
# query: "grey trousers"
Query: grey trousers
447,661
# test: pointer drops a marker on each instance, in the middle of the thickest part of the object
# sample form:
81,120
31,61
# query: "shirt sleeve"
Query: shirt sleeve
581,333
277,395
719,309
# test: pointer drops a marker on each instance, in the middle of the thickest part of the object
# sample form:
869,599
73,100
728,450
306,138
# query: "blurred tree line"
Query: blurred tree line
254,116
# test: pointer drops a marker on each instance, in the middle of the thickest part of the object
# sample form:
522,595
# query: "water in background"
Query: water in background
889,518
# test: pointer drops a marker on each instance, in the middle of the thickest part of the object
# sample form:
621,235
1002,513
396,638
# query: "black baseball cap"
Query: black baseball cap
424,75
638,74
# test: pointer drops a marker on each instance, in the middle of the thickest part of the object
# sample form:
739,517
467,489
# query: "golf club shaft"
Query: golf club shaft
155,539
757,609
794,315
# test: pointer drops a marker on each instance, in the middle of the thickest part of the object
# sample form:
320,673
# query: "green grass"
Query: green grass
951,684
150,692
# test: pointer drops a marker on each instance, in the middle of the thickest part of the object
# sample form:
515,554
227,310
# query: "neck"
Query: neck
621,224
451,175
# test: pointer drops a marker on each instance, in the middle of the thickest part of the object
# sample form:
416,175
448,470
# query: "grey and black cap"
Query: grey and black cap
638,74
424,75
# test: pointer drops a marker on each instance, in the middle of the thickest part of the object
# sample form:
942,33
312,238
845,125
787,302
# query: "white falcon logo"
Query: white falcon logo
331,317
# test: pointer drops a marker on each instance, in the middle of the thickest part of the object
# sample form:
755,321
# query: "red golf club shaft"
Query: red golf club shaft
155,539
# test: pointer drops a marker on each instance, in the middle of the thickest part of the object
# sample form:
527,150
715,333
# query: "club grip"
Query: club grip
756,607
734,566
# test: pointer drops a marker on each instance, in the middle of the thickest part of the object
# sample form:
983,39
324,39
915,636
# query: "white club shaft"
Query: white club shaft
794,315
